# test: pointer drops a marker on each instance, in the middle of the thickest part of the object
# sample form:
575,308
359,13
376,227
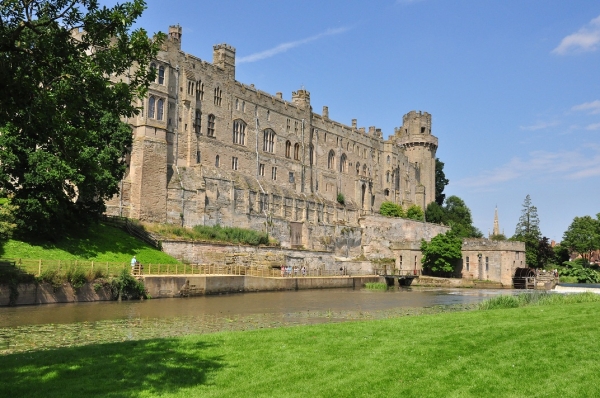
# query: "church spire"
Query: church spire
496,224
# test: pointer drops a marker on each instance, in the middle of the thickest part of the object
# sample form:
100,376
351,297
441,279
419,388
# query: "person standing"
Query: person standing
133,264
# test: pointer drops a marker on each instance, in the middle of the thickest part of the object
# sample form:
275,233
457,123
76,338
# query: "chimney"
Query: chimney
325,112
354,123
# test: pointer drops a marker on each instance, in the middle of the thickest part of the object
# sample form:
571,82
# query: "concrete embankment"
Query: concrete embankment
177,286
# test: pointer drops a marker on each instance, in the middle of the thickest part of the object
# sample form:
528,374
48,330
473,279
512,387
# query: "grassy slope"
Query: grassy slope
533,352
102,243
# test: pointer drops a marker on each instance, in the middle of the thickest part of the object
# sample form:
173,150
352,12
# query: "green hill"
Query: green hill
100,243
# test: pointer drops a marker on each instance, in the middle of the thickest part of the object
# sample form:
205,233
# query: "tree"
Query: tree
434,213
391,209
583,236
528,231
414,212
7,218
458,216
62,132
545,253
442,253
440,182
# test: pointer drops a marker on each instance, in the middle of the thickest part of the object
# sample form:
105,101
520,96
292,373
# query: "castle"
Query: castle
210,150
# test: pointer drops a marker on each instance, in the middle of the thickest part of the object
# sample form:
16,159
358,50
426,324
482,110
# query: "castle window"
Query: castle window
190,89
159,109
422,130
288,149
331,160
386,192
357,168
198,121
210,128
364,169
151,106
487,263
198,157
269,141
243,106
292,180
161,75
234,163
217,161
343,164
199,90
268,115
311,154
388,159
467,263
274,173
387,176
261,170
296,151
239,132
287,127
400,262
237,104
296,127
218,96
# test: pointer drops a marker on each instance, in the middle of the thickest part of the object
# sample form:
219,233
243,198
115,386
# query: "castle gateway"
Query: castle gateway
210,150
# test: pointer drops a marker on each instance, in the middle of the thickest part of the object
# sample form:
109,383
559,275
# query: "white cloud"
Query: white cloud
595,126
566,165
585,39
283,47
593,107
539,126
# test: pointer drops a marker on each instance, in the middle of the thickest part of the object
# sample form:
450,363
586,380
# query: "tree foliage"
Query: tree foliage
441,255
583,235
434,213
454,213
62,107
7,218
528,231
440,182
414,212
391,209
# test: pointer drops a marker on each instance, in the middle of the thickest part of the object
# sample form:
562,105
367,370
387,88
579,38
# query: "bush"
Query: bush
577,270
415,212
340,198
391,209
76,276
52,276
125,286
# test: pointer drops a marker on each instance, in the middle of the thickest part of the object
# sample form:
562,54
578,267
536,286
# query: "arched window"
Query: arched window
198,121
269,141
218,96
239,132
160,105
357,168
151,106
296,151
199,90
217,161
386,192
343,165
311,154
331,160
210,128
288,149
161,75
364,169
388,159
387,177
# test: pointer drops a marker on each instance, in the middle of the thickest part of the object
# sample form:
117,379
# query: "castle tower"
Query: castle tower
301,99
175,32
224,58
415,138
496,224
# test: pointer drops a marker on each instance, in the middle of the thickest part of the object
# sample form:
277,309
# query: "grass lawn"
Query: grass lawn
537,351
101,243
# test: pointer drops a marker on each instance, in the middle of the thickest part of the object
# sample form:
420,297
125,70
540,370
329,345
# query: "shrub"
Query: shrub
376,286
75,276
125,286
340,198
415,212
53,277
391,209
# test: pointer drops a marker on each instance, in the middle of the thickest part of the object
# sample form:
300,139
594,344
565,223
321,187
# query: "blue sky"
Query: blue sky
513,86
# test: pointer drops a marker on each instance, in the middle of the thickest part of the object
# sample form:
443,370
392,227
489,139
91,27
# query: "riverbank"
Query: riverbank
473,353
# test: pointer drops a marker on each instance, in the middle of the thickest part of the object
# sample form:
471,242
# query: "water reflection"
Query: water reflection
285,304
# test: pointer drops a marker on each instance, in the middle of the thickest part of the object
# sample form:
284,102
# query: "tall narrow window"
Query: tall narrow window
357,168
239,132
217,161
151,106
160,105
331,160
198,157
311,154
269,141
161,75
274,173
199,90
297,151
387,176
234,163
237,104
243,106
287,127
343,165
218,96
467,263
288,149
296,128
268,115
261,170
364,169
487,263
210,128
386,192
198,121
